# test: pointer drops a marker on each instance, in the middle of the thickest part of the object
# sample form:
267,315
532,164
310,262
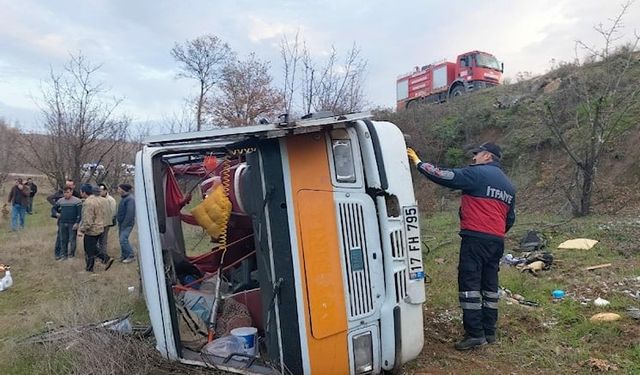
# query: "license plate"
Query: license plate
412,241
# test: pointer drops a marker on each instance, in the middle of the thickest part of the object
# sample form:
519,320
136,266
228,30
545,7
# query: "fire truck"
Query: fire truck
437,82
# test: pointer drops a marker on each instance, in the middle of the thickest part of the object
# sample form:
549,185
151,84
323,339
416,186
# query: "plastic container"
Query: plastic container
558,294
247,336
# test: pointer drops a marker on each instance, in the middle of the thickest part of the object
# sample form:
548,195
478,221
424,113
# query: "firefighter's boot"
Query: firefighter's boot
470,343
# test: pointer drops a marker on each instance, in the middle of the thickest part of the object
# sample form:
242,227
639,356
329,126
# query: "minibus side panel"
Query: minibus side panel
275,262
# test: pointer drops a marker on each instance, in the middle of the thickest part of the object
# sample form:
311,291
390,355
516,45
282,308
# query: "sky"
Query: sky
132,41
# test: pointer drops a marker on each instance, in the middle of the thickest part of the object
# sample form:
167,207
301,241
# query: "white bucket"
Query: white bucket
247,336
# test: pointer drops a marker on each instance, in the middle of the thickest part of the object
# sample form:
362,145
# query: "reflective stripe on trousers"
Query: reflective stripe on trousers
490,299
478,284
470,300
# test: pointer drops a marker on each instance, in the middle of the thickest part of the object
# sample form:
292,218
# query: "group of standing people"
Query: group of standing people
90,213
21,201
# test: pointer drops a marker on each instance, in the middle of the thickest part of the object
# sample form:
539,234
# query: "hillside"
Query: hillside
514,116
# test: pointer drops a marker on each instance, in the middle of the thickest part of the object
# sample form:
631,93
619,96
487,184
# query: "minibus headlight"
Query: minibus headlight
363,353
343,159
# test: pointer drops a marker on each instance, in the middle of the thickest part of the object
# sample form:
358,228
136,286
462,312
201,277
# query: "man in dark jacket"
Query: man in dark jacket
486,214
53,199
126,218
34,189
19,200
68,210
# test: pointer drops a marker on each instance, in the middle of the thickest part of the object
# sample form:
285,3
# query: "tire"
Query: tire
457,90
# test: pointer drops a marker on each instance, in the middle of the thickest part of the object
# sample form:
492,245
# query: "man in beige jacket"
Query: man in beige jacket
92,226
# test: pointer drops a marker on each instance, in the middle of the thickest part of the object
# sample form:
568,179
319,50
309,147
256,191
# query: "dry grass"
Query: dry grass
48,294
558,338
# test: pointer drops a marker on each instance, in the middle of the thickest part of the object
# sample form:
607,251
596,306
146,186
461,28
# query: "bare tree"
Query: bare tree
595,108
339,88
246,93
308,81
202,59
8,138
291,54
80,123
180,121
117,163
330,85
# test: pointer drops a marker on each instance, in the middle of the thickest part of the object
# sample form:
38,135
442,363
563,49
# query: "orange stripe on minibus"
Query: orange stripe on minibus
319,251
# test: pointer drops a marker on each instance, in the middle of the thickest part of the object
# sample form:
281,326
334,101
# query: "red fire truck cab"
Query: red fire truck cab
437,82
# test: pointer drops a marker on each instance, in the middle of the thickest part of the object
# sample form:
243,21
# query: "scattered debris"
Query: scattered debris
620,225
578,244
604,317
633,312
530,258
600,302
439,261
604,265
513,261
510,298
533,241
599,364
534,267
121,325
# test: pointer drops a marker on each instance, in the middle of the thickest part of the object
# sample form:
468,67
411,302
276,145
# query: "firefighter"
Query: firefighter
486,214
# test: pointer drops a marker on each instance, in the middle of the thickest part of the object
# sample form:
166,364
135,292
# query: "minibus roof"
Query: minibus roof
237,134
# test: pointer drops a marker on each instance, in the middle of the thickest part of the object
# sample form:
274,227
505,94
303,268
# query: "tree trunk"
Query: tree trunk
588,175
199,109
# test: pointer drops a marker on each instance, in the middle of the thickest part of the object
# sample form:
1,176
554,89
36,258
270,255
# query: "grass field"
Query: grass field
48,293
556,338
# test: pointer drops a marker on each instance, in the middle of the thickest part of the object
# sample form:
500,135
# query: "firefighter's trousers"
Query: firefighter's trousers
478,284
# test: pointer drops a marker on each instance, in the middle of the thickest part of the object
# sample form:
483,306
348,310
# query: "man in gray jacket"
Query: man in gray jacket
126,218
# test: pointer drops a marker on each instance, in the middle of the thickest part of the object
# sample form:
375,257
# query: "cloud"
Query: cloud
261,29
132,39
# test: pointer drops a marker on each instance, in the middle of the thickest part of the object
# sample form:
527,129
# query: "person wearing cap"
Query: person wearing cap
34,190
92,226
106,221
19,200
126,218
486,214
109,216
